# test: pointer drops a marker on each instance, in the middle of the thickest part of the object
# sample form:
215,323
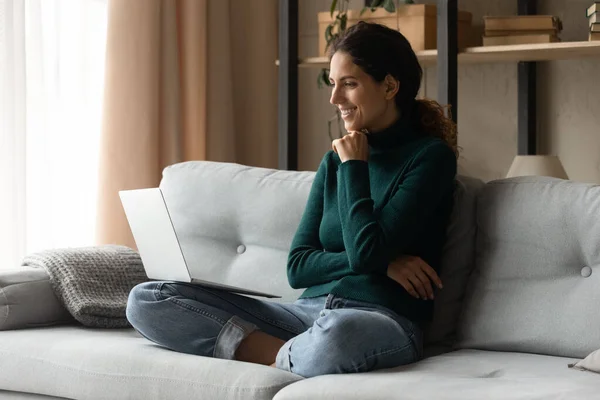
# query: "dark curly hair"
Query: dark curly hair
379,51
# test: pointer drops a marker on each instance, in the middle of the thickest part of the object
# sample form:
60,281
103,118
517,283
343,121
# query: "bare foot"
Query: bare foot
272,365
259,348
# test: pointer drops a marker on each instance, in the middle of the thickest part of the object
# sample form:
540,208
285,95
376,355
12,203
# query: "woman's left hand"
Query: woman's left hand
353,146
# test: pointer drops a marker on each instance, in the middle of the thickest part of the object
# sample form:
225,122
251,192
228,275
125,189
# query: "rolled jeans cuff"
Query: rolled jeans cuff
232,334
282,361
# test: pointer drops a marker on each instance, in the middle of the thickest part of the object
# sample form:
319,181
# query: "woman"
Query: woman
368,245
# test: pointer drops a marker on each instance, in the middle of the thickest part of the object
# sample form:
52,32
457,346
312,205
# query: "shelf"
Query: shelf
497,54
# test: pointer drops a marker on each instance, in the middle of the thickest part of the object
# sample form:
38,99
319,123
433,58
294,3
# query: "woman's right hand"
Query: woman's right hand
415,275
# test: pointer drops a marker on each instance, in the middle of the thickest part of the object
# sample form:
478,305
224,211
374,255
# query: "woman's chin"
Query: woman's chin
352,126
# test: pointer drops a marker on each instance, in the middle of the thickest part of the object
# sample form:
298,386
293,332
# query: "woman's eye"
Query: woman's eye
346,84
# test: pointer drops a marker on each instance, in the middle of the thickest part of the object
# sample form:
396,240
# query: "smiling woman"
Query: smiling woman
51,77
368,247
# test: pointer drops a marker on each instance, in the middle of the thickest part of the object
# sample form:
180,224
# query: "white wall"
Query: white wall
568,99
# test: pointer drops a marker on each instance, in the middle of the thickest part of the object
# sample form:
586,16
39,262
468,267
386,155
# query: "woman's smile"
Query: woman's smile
348,112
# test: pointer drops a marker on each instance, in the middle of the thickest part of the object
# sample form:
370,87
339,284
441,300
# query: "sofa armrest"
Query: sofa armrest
27,300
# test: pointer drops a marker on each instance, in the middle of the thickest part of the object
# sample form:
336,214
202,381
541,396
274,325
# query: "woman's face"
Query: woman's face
363,102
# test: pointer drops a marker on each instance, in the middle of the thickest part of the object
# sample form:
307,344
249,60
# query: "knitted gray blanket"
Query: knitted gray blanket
93,283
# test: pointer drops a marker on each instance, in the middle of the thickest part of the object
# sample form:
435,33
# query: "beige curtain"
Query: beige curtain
185,80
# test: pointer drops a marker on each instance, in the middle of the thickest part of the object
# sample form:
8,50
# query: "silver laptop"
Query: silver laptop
157,241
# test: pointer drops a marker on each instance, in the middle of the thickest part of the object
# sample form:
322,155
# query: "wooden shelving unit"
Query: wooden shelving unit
497,54
446,58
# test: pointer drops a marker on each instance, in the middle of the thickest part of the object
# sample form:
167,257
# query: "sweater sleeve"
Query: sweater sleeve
308,263
373,241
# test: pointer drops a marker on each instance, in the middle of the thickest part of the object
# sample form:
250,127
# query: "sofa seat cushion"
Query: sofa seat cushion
463,374
83,363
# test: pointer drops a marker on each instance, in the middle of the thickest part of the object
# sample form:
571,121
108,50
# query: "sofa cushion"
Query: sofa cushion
459,375
236,223
83,363
457,263
537,274
27,300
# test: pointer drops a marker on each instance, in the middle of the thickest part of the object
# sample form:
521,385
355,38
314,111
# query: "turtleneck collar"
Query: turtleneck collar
397,134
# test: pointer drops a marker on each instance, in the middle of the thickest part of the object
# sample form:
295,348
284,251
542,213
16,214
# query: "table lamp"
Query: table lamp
539,165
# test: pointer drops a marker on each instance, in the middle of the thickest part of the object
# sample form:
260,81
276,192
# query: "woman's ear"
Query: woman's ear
392,86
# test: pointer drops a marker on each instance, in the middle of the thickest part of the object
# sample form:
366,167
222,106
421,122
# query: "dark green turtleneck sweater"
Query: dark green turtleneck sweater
361,215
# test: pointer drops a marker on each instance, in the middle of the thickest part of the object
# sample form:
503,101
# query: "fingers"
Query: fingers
405,283
415,275
413,284
399,275
418,285
430,272
425,289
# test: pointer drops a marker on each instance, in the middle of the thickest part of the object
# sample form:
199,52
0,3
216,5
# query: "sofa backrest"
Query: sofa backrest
235,223
536,283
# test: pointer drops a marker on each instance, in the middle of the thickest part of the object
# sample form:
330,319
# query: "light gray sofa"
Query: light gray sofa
521,300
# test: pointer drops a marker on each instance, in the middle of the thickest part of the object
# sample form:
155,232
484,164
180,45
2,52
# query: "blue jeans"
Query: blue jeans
324,335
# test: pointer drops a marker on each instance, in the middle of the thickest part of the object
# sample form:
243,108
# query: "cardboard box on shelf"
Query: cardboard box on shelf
522,23
594,8
520,33
521,29
519,39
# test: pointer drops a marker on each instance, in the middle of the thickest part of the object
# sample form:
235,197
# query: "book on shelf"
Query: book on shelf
594,18
522,23
519,39
520,33
594,36
594,8
595,27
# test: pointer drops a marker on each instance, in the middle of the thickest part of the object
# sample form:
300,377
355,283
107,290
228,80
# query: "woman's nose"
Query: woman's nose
335,96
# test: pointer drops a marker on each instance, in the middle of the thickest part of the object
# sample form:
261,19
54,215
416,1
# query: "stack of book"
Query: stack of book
593,14
521,29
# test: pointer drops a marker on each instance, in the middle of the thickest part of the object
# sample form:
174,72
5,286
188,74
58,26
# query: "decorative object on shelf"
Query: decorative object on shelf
417,22
537,165
521,29
593,15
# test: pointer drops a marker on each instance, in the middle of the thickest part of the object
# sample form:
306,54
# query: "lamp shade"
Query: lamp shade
538,166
